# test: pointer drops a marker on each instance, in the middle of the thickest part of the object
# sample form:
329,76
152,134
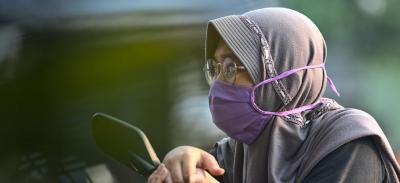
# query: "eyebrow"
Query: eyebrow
224,55
233,56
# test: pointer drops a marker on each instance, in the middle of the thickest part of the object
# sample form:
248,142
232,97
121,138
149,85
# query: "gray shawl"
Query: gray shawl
289,147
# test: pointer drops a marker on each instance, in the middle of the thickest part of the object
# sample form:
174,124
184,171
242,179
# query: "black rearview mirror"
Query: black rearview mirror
125,143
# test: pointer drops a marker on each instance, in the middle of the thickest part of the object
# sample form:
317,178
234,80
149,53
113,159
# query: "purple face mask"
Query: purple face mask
235,112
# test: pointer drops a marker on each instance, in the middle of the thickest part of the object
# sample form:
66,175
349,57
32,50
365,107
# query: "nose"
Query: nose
219,70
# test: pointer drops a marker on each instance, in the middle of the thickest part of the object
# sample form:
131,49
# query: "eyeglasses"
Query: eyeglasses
212,69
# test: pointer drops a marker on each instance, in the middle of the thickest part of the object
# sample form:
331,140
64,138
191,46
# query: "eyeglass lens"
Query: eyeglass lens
212,69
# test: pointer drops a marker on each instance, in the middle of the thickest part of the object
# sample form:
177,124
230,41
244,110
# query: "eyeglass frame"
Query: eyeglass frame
206,69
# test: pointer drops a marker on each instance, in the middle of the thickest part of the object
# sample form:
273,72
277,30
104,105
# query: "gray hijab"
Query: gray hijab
289,147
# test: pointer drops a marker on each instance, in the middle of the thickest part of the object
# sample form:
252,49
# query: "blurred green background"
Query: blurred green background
141,60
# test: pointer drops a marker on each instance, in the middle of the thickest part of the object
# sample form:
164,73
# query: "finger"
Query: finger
209,179
188,167
159,175
168,179
176,172
153,175
209,163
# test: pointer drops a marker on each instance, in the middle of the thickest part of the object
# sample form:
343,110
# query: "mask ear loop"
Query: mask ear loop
332,85
283,75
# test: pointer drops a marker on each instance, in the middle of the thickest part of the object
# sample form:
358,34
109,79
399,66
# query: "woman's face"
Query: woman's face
221,52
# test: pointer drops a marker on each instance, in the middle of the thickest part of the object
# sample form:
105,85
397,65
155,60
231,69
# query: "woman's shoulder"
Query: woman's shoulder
340,126
332,115
343,127
348,114
347,120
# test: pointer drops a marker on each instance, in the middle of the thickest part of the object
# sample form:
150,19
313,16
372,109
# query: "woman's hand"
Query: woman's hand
188,164
202,176
162,175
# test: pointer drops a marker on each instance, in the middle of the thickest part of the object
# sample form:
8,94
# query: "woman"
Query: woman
270,60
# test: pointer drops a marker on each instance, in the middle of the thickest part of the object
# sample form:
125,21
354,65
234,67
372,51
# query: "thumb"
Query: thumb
209,163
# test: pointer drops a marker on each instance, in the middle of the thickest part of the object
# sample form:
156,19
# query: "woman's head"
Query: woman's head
293,40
